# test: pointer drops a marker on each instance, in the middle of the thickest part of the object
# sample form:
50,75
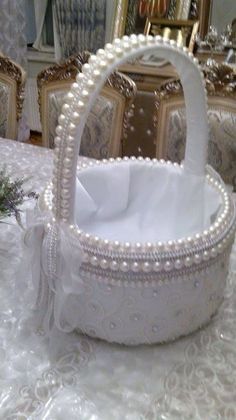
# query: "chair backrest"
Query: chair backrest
12,84
171,122
107,121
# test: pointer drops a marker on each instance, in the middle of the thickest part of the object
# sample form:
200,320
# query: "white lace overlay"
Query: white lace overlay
75,377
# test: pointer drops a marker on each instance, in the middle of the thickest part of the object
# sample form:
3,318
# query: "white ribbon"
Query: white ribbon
53,257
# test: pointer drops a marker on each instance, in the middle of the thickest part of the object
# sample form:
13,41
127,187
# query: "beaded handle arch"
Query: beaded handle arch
85,90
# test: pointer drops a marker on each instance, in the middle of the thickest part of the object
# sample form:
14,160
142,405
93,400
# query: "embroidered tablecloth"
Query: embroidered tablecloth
77,378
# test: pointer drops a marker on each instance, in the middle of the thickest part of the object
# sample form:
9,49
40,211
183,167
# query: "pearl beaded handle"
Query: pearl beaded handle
84,92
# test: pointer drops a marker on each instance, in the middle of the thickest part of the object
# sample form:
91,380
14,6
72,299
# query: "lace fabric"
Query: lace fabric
75,377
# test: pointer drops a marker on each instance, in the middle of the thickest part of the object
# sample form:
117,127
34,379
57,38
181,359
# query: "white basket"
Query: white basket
124,289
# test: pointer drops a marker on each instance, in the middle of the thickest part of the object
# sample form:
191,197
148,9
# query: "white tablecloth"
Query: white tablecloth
83,378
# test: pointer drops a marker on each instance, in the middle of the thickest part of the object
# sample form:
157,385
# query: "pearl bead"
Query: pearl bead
96,74
188,262
159,39
67,162
197,258
206,255
65,109
178,264
62,119
110,57
90,84
75,87
109,47
124,266
70,140
114,265
157,266
69,152
125,38
80,77
118,51
102,64
117,42
142,39
100,52
85,94
135,267
134,42
57,141
94,261
80,105
150,39
104,264
92,59
59,130
72,128
86,68
213,252
55,160
75,117
70,97
146,267
168,266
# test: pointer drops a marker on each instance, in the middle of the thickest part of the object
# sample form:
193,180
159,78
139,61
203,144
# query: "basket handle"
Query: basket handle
83,93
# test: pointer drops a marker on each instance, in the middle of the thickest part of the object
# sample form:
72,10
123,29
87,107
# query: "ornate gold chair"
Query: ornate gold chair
12,83
107,122
171,121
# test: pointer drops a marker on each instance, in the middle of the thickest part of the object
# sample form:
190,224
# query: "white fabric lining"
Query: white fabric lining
138,201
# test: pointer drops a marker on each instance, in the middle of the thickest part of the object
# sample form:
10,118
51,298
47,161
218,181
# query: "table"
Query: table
86,379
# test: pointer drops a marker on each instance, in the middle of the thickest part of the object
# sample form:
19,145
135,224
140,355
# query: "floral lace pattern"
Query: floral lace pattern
76,377
222,145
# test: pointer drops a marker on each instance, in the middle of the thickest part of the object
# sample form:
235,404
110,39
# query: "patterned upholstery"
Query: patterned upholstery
4,108
222,144
98,129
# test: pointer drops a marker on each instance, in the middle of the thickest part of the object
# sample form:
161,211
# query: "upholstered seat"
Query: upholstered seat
12,81
104,130
171,126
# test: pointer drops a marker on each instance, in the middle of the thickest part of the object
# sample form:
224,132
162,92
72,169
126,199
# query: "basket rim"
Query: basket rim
213,234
